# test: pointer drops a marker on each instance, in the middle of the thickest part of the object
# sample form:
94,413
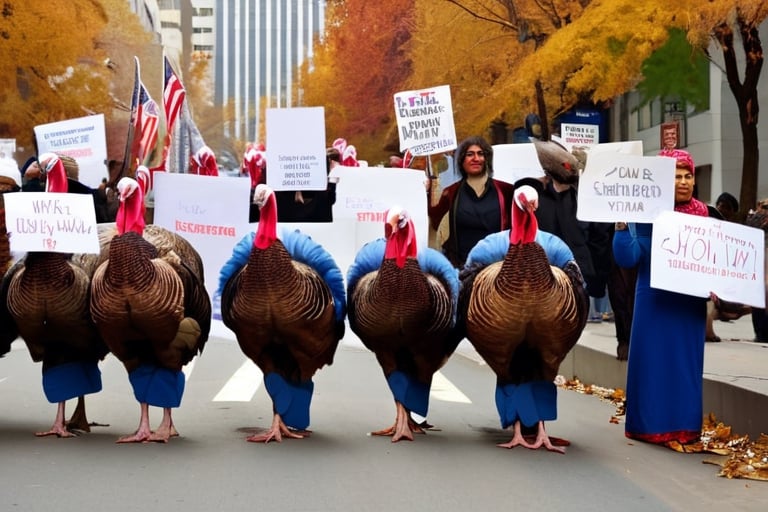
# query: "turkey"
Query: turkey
47,295
284,299
150,305
10,181
203,162
402,305
558,162
254,165
524,307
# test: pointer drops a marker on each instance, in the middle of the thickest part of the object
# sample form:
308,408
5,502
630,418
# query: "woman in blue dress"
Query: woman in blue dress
666,350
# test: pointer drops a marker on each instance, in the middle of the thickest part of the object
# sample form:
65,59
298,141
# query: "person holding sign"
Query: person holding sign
666,350
478,204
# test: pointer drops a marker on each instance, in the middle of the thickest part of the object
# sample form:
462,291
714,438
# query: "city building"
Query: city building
259,46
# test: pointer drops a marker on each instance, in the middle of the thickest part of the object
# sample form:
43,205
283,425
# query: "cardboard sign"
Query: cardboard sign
425,120
51,222
512,162
296,149
83,139
626,188
211,212
695,255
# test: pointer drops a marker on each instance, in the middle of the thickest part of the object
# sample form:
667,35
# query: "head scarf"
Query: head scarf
685,161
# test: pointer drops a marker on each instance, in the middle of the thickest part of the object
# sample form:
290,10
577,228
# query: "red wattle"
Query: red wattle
266,233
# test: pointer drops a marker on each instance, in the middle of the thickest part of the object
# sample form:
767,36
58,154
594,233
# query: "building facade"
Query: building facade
713,136
259,46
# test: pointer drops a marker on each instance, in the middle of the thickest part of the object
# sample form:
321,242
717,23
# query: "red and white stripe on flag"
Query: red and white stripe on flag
146,125
173,96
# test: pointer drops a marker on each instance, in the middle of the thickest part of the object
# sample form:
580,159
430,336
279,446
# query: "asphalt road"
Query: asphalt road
340,467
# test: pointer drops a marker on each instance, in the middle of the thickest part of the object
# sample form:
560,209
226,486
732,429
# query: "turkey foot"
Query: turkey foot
166,430
278,430
143,433
542,439
78,421
403,428
58,428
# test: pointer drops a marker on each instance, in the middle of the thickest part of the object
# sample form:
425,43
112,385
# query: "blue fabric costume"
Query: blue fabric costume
71,380
666,352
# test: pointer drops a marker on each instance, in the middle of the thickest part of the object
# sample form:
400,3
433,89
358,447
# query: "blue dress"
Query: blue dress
666,352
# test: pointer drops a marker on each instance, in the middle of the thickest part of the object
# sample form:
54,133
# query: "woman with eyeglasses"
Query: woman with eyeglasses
478,204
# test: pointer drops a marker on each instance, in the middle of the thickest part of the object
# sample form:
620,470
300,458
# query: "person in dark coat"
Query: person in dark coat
477,205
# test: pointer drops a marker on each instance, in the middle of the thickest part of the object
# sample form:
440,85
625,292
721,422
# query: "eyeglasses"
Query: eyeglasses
472,154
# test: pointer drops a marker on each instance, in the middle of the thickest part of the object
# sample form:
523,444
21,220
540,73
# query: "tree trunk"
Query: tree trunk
542,107
747,100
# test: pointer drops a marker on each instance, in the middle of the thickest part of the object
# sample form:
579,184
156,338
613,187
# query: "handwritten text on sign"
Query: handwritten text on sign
51,222
628,188
425,120
695,255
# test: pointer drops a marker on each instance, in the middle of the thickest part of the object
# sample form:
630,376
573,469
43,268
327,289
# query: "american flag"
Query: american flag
145,129
173,98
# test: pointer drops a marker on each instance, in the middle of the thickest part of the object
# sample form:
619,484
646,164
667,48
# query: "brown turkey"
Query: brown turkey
402,305
284,300
10,181
524,307
150,305
47,295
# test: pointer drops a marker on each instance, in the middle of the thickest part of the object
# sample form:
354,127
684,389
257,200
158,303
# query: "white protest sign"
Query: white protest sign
210,212
296,148
580,134
51,222
631,147
696,255
627,188
363,195
83,139
512,162
425,120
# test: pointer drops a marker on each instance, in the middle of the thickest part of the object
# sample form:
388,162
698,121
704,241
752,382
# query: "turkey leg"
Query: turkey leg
404,426
79,421
58,429
542,439
276,432
143,433
166,430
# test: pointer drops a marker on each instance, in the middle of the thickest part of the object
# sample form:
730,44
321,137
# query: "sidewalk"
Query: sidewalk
735,372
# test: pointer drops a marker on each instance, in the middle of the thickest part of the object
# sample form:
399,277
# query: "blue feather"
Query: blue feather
368,259
301,248
493,247
237,261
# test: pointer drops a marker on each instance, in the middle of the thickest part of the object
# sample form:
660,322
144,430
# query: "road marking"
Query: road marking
242,385
443,389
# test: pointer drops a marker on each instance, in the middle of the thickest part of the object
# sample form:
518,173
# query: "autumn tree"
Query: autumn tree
734,26
449,47
528,24
357,67
54,56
